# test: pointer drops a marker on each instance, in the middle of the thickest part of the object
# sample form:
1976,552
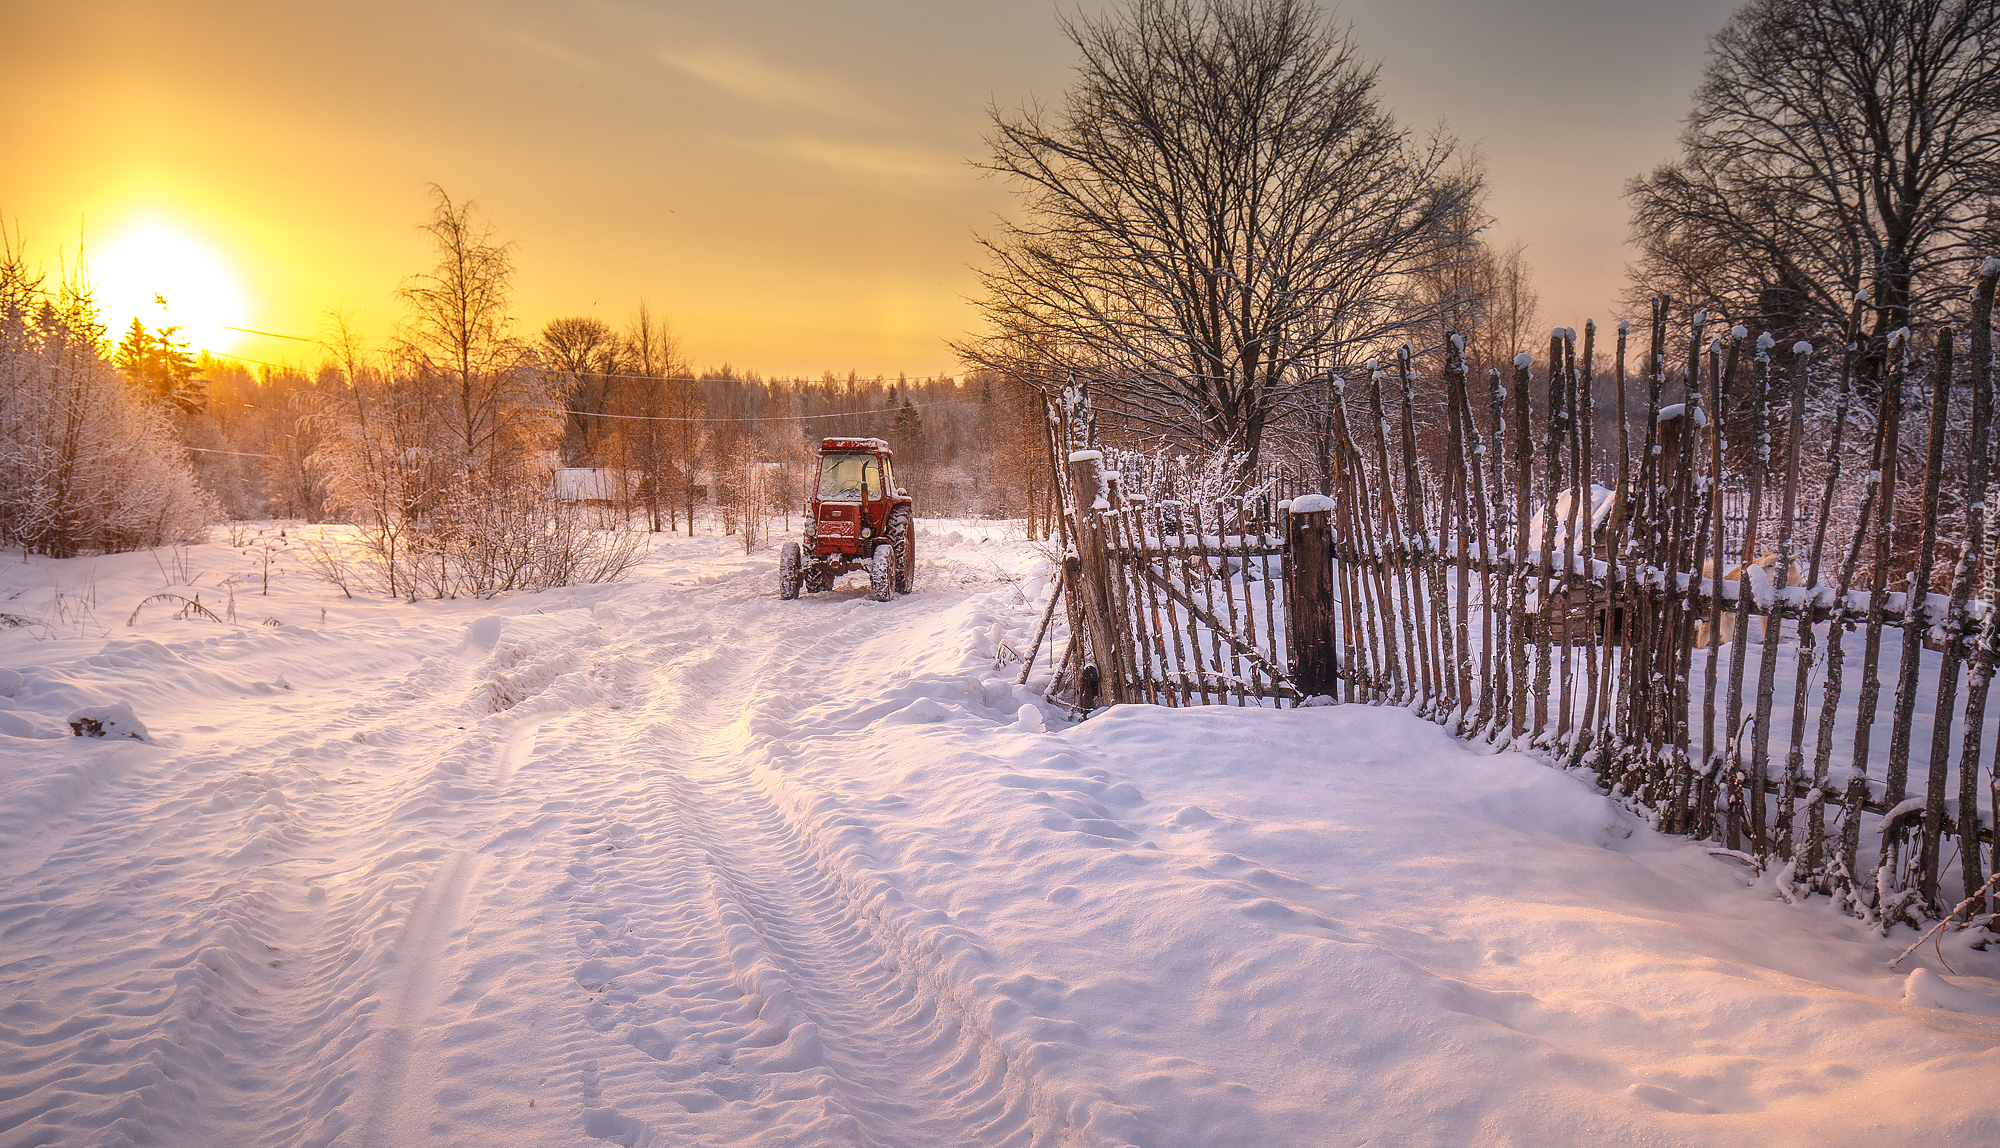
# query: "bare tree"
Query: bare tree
1833,145
1482,292
1220,205
648,403
458,340
583,354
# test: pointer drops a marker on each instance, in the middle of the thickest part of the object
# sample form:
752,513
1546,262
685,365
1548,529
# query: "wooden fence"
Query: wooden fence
1521,596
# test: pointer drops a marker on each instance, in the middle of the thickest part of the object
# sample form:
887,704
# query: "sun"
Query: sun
163,277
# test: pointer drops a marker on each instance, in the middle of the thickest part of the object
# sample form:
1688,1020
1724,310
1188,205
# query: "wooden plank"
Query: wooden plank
1131,628
1679,789
1610,710
1711,752
1246,649
1773,624
1989,644
1208,594
1884,483
1410,541
1282,655
1222,516
1939,773
1489,671
1165,632
1456,510
1552,484
1390,552
1499,592
1518,623
1163,559
1570,443
1249,599
1812,870
1184,566
1751,819
1417,541
1586,484
1644,687
1835,659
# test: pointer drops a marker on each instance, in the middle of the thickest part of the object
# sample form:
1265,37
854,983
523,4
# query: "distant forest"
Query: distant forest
971,446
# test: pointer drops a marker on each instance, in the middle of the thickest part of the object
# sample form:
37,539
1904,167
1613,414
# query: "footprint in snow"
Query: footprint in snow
1662,1097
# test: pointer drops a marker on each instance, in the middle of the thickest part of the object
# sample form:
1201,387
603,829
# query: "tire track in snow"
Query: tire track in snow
399,1069
206,873
388,874
839,1020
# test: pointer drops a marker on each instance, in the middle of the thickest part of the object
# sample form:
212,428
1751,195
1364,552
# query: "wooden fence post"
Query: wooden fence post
1315,668
1981,535
1087,484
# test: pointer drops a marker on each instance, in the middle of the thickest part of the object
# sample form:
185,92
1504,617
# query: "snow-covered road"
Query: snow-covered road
675,863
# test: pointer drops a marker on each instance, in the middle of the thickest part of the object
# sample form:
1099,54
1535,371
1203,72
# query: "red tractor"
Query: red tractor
858,519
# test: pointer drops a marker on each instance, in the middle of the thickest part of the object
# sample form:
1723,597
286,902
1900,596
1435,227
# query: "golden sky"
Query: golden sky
785,181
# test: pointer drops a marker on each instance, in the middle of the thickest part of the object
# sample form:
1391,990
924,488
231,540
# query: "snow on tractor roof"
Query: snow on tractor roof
826,444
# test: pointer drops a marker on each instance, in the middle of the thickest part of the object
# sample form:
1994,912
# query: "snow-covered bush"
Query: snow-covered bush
446,460
86,464
1209,481
438,524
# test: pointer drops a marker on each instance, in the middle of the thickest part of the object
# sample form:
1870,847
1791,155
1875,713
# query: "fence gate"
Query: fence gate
1184,604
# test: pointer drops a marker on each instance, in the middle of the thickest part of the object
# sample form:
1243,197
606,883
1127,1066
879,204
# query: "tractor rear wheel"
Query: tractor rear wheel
789,575
882,572
818,578
903,538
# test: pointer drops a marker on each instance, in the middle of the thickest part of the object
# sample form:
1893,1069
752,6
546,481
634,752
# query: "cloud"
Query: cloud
773,86
909,164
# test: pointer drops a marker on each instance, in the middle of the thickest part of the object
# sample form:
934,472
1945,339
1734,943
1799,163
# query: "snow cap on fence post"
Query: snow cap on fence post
1311,504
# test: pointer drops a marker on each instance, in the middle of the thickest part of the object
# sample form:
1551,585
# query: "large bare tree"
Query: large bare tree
1219,208
1833,145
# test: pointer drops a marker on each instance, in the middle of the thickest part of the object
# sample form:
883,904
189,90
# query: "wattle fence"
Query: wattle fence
1560,595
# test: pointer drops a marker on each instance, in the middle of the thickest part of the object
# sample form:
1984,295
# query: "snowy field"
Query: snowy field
672,862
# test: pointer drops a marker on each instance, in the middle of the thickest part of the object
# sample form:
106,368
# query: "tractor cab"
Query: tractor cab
858,518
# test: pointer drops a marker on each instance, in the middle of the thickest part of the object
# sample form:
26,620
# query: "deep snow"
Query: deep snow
672,862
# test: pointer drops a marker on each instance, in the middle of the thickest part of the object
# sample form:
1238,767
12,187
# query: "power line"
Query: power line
237,453
754,418
266,334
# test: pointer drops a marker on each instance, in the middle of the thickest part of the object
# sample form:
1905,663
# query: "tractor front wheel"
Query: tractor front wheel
882,572
789,574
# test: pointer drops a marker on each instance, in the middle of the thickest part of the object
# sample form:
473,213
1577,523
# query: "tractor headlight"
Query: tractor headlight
867,532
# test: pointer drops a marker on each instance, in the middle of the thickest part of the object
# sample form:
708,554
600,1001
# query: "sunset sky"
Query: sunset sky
787,182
